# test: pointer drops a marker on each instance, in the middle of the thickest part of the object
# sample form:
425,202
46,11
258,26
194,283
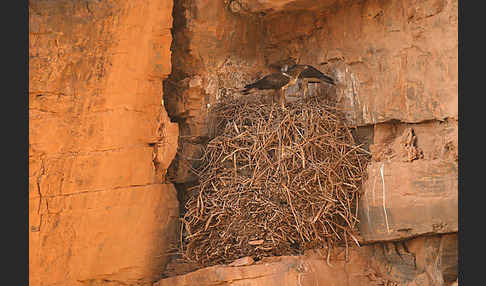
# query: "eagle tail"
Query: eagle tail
328,80
248,88
245,90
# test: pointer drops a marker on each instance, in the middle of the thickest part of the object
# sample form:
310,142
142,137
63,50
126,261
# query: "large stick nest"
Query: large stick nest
273,182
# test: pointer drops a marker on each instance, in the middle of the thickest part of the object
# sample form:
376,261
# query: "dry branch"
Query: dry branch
287,179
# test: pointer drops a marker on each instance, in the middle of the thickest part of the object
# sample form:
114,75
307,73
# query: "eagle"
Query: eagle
279,81
312,75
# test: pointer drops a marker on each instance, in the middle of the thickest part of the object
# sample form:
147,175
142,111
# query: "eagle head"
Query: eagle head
295,70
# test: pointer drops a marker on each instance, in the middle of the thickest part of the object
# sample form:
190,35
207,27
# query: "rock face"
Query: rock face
395,63
421,261
426,260
275,6
214,53
100,209
412,183
392,59
285,270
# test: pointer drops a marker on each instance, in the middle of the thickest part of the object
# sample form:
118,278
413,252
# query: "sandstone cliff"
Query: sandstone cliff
99,212
114,93
396,67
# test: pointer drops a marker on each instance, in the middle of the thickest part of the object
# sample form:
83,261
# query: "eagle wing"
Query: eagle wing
314,74
271,81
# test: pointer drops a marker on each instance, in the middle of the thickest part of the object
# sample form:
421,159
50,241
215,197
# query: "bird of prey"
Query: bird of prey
312,75
277,81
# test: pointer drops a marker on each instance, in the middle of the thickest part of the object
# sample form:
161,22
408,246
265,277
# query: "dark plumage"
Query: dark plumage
277,81
315,75
272,81
312,75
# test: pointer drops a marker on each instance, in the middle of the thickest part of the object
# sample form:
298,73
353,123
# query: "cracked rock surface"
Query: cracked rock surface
114,93
100,209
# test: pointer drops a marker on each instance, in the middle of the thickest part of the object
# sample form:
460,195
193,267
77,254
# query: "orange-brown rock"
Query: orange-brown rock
391,59
214,53
281,271
412,183
268,7
421,261
242,261
404,199
99,212
425,260
432,139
